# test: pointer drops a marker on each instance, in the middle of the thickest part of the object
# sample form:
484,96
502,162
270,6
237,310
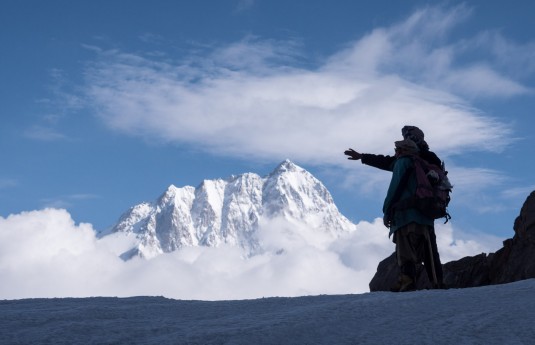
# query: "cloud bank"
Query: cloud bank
45,254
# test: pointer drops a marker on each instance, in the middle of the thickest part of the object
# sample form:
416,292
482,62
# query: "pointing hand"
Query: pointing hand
353,155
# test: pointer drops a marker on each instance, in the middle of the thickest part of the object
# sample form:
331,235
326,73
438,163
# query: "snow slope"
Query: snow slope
500,314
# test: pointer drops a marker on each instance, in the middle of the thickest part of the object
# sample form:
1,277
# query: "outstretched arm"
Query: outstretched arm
377,161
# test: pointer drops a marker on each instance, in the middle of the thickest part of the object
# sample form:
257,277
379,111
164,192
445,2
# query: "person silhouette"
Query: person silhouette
386,162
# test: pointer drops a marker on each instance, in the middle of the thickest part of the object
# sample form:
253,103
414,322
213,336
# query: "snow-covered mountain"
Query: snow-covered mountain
230,211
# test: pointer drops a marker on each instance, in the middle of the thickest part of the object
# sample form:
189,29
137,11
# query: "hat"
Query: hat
415,134
407,145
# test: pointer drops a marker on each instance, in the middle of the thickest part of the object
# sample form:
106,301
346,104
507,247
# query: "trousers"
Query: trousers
412,247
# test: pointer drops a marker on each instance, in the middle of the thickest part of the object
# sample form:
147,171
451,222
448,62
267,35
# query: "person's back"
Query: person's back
403,187
430,157
409,225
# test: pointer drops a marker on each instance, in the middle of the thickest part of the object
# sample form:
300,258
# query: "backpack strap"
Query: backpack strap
395,203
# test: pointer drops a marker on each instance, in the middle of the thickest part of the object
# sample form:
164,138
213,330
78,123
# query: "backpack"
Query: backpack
433,189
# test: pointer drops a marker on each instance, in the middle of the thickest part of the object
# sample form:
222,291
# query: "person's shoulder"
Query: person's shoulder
430,157
404,161
406,158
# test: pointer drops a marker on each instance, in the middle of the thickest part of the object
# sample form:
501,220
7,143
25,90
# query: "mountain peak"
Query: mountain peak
286,165
230,211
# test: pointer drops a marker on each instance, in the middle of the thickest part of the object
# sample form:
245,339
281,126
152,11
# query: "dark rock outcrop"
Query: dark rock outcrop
470,271
514,261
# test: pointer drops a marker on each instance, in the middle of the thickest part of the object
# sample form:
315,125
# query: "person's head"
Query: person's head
406,147
415,134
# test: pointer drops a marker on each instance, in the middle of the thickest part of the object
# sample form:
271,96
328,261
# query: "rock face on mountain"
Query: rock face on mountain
514,261
230,212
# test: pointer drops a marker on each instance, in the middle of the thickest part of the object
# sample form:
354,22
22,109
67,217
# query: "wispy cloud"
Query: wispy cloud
243,5
516,59
83,196
479,189
420,49
58,106
66,201
253,99
516,193
8,183
38,132
474,179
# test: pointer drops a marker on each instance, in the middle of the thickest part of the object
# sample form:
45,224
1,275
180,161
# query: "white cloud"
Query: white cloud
303,115
479,80
45,254
454,244
515,58
472,180
474,185
518,193
252,99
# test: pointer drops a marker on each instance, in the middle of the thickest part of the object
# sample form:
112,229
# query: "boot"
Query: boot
404,283
407,283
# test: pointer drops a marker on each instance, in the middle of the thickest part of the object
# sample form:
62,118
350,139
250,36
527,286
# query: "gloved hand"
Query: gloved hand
353,155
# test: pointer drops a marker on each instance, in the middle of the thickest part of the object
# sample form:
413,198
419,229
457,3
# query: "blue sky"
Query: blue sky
106,103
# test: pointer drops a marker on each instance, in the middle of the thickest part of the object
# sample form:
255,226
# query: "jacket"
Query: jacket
401,218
